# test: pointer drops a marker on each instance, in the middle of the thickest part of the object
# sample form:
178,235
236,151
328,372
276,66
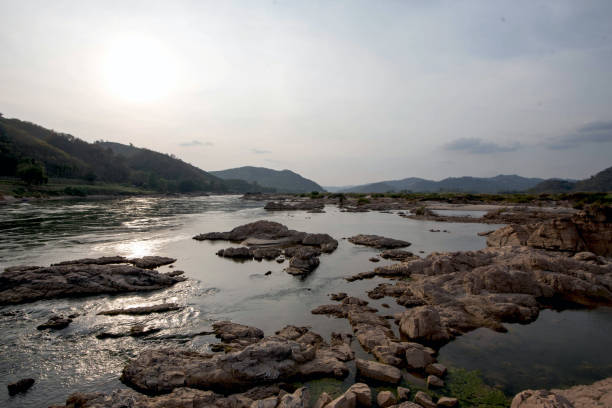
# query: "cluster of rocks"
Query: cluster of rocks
587,231
397,255
146,262
141,310
596,395
376,241
292,353
272,240
311,205
451,293
20,284
375,335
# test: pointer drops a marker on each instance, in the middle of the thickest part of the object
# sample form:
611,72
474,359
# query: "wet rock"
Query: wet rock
424,400
362,393
236,253
374,259
136,330
292,353
266,253
237,335
385,399
447,402
174,273
338,296
377,241
346,400
56,322
303,260
434,382
436,369
268,273
151,262
378,371
69,280
397,255
323,400
160,308
403,393
20,386
104,260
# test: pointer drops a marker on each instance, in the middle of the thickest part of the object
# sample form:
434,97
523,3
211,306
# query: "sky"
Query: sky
341,91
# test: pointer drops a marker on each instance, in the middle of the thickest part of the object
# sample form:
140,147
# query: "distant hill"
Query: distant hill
65,156
497,184
600,182
284,181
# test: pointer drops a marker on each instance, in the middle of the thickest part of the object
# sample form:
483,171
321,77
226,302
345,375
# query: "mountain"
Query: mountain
284,181
65,156
600,182
497,184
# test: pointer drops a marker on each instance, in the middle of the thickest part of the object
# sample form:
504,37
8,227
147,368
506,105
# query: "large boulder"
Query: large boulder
378,371
540,399
378,241
423,323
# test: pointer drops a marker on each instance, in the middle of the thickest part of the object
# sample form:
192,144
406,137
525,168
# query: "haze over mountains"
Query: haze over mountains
285,181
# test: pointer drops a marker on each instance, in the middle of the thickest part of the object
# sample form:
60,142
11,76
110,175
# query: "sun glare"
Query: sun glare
139,69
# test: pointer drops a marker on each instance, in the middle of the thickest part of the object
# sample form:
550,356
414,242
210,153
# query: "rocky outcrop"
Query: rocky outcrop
589,231
293,352
146,262
268,397
397,255
56,322
306,205
378,371
141,310
21,284
596,395
237,336
135,330
376,241
269,240
452,293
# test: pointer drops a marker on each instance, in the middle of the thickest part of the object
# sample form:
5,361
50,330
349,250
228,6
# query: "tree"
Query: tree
32,173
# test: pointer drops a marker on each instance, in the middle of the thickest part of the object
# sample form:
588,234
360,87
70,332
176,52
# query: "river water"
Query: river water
73,359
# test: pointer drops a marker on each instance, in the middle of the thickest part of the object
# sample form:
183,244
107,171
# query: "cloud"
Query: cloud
195,143
590,133
258,151
478,146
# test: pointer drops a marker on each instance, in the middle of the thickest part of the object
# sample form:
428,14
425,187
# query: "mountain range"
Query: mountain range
284,181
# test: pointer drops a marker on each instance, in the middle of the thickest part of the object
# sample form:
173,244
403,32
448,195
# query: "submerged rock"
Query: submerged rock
27,284
136,330
56,322
20,386
293,352
377,241
160,308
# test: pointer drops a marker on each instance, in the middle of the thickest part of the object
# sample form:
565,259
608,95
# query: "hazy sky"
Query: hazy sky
343,92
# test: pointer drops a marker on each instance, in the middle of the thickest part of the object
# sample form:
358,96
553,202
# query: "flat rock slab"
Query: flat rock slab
160,308
56,322
377,241
27,284
378,371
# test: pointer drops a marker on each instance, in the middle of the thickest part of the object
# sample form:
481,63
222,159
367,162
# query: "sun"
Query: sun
139,69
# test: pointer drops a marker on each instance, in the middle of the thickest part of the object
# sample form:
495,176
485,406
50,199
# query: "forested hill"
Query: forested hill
600,182
24,144
285,181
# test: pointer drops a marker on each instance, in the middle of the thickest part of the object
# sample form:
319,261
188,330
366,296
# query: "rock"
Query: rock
374,259
323,400
175,273
424,400
408,404
159,308
434,382
403,393
27,284
540,399
20,386
56,322
436,369
378,371
151,262
397,255
311,205
236,253
447,402
363,394
385,399
303,260
417,358
293,353
184,397
346,400
237,335
136,330
105,260
268,273
422,323
266,253
377,241
338,296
